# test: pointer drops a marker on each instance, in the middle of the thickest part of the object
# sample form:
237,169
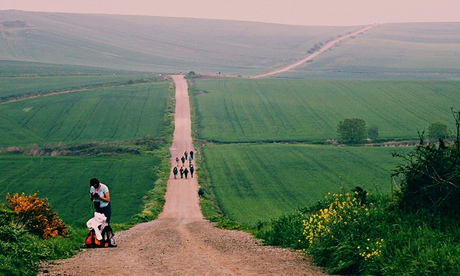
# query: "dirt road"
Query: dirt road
180,241
315,54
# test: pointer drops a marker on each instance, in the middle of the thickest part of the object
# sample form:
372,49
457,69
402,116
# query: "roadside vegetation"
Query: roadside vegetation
414,231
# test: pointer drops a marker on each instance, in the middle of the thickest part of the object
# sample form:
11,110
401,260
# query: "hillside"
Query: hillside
160,44
155,44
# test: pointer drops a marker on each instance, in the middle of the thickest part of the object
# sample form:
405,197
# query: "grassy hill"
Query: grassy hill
392,51
156,44
161,44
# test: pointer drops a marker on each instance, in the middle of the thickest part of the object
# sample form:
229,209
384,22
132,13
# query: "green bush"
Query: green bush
21,252
431,179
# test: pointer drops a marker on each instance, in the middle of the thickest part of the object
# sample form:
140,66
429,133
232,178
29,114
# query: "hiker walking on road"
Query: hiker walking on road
192,169
177,161
100,196
190,158
186,173
175,172
185,154
183,160
181,172
191,153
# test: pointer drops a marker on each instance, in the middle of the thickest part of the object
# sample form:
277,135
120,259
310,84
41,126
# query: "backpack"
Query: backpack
108,239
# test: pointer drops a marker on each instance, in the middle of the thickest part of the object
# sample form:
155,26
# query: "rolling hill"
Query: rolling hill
160,44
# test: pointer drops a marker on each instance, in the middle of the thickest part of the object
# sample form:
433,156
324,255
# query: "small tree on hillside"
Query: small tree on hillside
352,130
438,130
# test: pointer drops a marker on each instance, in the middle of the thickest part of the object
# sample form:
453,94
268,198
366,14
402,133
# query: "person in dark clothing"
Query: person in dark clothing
175,172
183,160
192,169
186,172
181,172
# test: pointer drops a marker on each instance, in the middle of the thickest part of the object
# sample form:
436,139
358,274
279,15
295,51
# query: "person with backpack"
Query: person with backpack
100,196
175,172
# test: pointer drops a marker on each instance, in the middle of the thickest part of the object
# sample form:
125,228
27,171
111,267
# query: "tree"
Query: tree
438,130
373,132
352,130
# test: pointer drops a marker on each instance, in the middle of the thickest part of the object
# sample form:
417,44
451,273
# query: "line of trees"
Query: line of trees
354,131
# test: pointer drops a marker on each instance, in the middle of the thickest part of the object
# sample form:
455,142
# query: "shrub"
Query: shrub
431,179
36,215
19,252
339,236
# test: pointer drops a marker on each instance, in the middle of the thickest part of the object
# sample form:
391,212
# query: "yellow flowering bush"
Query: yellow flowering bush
342,228
372,249
35,214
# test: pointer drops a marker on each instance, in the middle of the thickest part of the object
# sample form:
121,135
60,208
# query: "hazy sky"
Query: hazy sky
298,12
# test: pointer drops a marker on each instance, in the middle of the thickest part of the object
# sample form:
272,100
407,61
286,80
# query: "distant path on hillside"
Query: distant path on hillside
181,241
315,54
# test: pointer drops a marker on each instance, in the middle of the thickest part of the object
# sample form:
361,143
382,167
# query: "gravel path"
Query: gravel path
181,241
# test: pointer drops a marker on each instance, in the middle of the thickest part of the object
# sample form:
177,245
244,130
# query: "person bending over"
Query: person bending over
100,196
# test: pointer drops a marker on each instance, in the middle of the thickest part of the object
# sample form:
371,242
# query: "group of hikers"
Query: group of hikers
101,234
183,170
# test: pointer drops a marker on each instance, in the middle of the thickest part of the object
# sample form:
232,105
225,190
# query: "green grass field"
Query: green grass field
18,86
245,110
65,182
101,114
108,117
256,182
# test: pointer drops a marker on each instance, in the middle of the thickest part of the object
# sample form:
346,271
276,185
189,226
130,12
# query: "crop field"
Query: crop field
102,114
256,182
18,86
65,182
109,108
392,51
12,68
246,110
